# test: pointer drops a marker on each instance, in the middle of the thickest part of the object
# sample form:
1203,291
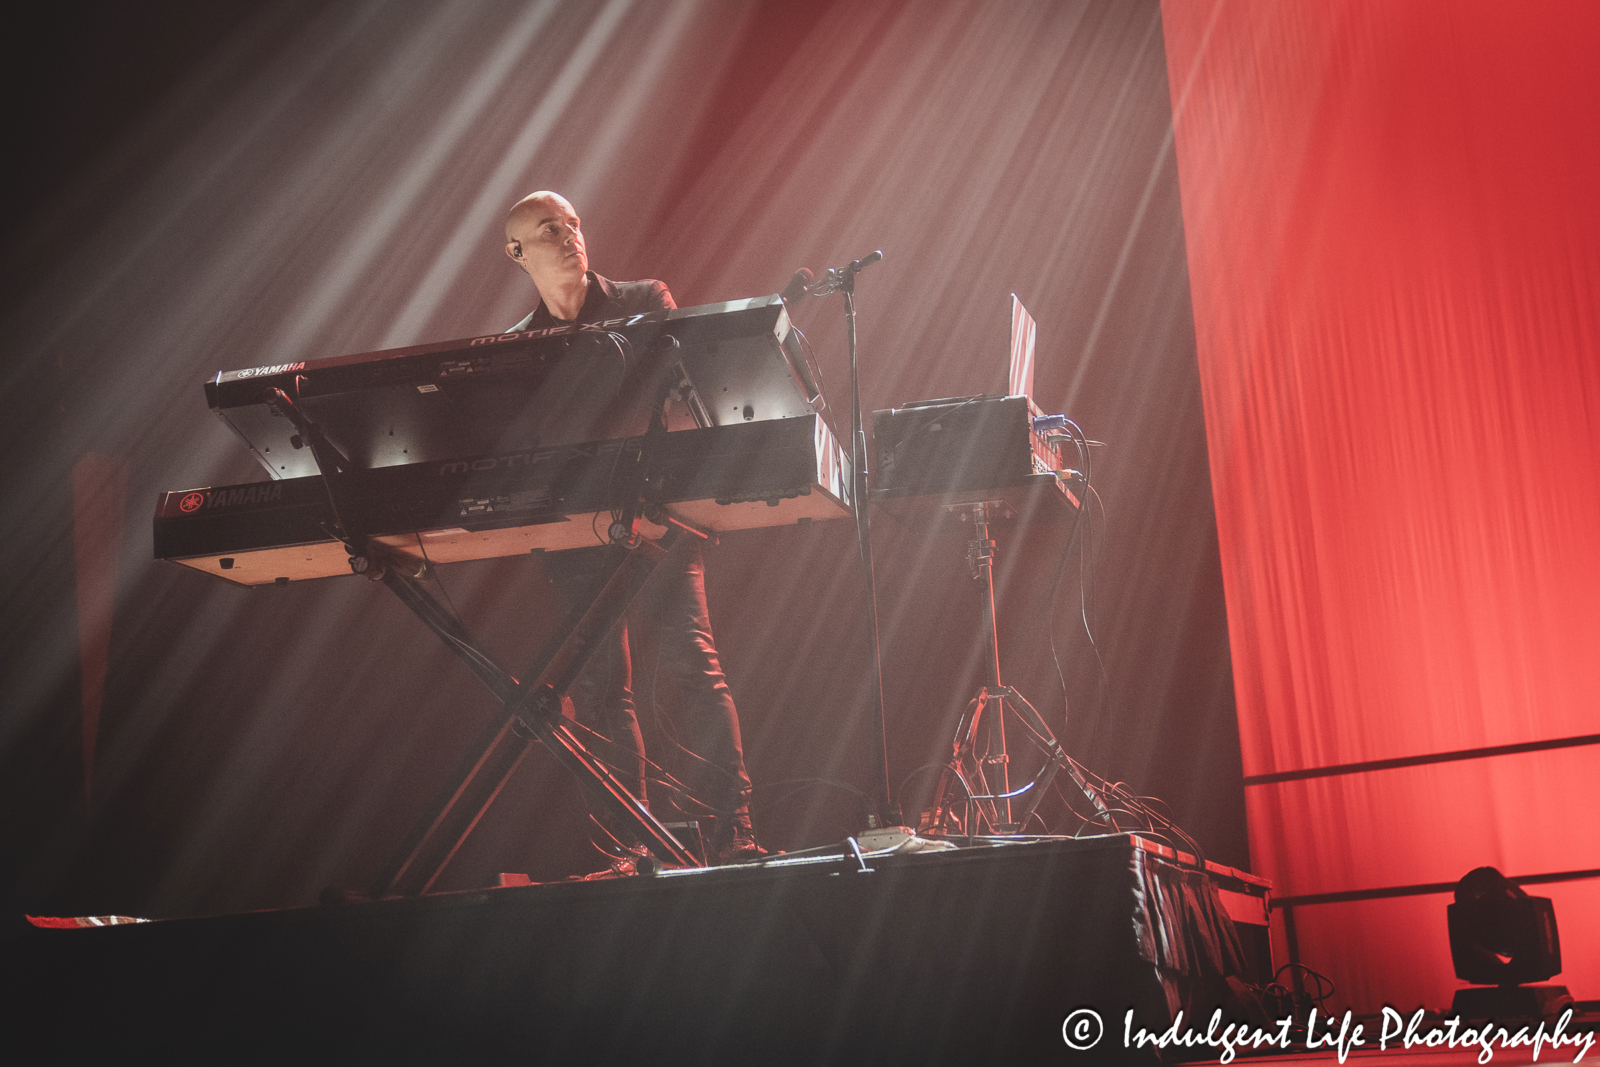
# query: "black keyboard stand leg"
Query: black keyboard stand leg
536,712
536,709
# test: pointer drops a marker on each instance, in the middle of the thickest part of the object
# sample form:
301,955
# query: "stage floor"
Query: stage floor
974,955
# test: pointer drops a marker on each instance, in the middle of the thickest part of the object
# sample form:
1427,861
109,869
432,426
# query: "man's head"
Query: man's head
544,237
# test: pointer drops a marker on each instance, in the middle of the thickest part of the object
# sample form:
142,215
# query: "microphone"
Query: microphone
842,278
797,286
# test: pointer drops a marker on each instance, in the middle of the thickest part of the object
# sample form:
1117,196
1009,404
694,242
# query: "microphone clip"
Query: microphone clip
842,279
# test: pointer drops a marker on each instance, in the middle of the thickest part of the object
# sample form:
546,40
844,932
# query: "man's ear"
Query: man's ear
514,250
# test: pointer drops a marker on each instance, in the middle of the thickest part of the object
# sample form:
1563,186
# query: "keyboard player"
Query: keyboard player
544,237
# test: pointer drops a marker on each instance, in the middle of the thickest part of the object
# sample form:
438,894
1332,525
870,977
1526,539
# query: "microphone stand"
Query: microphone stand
843,280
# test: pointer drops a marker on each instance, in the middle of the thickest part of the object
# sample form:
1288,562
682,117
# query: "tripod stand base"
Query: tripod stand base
964,783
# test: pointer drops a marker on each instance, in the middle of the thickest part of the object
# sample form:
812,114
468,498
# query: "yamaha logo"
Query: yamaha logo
276,368
192,502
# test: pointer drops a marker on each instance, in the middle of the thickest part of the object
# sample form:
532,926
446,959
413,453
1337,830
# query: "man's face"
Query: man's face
545,239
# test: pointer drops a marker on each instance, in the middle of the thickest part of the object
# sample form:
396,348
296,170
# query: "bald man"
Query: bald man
544,237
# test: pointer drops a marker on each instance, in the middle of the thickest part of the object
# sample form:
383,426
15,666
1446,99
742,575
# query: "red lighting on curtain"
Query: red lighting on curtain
1394,249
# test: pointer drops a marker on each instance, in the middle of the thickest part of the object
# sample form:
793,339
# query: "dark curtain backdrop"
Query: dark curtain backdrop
318,179
1395,251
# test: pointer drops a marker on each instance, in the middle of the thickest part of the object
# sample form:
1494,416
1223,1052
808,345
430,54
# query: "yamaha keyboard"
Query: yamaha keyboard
724,364
719,478
505,444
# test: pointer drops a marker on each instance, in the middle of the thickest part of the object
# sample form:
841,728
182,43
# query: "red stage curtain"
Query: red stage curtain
1394,249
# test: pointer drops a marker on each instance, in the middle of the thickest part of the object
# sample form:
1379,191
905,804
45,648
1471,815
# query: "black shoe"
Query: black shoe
741,846
625,860
621,867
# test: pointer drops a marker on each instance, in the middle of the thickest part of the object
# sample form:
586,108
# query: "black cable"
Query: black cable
664,778
1066,801
450,631
1055,594
624,346
684,798
803,785
934,415
611,477
621,847
438,579
1074,535
900,790
665,725
1138,809
1086,571
810,356
1086,561
1319,978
